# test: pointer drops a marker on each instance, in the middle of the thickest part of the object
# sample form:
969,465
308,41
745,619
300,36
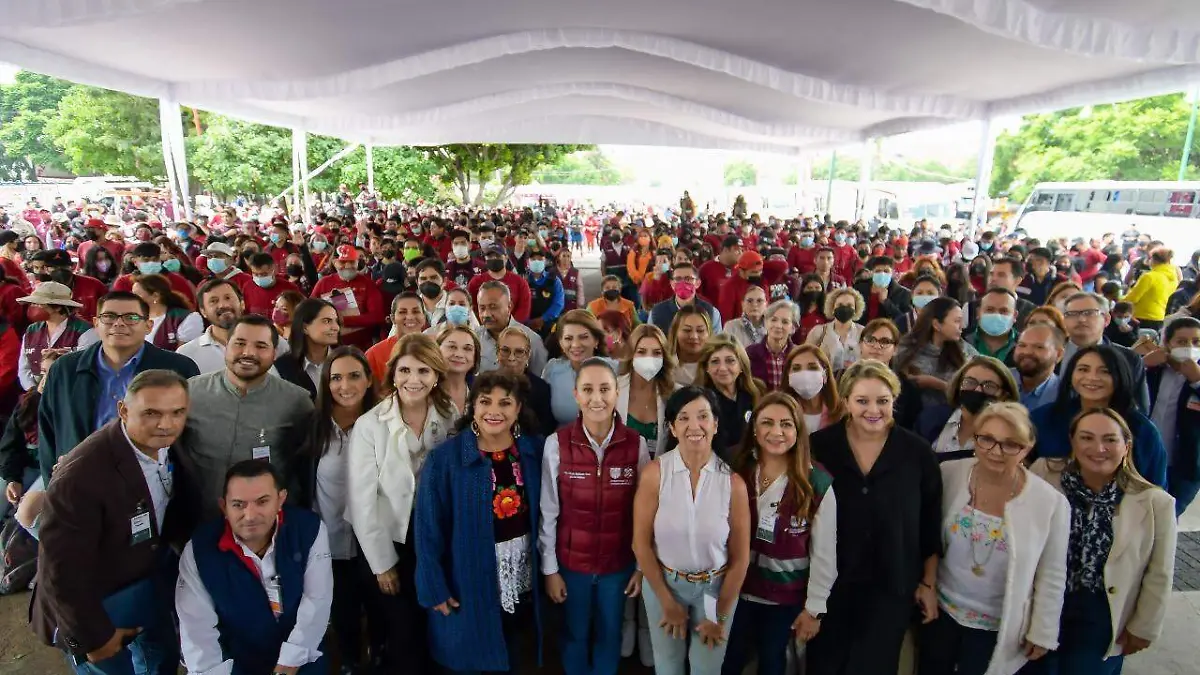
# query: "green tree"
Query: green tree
235,157
580,168
847,168
471,168
1133,140
26,106
400,173
106,132
740,174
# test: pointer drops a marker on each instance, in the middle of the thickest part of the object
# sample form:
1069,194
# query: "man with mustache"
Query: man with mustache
242,412
220,302
115,508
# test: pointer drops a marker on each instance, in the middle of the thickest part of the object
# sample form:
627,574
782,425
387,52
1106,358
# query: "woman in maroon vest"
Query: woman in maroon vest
589,476
794,547
173,321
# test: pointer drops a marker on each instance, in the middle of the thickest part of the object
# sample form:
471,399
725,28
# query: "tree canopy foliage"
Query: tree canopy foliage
26,106
740,174
849,168
590,167
472,167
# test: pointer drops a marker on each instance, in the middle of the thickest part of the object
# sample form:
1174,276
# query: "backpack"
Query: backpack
18,557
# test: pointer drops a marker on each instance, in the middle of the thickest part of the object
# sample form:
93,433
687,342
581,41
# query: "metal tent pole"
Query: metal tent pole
829,189
983,172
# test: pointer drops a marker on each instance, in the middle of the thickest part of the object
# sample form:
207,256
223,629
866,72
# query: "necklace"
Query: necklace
765,481
978,566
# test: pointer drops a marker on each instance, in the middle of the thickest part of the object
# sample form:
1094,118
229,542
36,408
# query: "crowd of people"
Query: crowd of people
396,438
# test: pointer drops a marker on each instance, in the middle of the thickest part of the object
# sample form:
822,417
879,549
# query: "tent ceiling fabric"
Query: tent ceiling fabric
780,76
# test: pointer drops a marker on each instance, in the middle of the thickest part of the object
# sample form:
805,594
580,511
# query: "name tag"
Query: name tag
766,528
262,452
139,526
275,597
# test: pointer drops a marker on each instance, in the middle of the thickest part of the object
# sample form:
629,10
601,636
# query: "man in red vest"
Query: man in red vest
356,297
589,477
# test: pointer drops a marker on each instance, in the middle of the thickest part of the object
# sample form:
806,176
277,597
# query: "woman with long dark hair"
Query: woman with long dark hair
99,264
172,320
316,329
477,519
934,351
794,546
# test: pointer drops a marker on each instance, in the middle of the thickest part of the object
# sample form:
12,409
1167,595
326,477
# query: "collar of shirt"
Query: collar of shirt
142,458
599,447
1037,391
231,388
130,365
708,467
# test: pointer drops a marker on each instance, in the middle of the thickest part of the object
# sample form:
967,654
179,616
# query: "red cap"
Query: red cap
347,252
750,260
96,223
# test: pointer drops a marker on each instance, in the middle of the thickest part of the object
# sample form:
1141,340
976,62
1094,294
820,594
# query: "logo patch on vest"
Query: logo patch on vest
620,477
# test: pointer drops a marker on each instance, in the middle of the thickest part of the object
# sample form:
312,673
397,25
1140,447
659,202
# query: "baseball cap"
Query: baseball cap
392,279
347,252
750,260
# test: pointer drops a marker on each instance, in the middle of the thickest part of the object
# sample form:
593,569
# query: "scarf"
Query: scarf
756,332
1091,530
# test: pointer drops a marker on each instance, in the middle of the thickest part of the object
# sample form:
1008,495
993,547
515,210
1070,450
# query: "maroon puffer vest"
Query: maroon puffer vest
570,282
595,525
167,336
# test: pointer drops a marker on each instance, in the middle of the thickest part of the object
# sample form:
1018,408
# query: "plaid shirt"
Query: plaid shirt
767,365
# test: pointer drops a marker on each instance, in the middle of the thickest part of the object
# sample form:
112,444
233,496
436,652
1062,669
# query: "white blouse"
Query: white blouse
692,534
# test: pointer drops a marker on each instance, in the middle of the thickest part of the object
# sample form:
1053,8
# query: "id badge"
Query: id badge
766,528
140,526
262,452
275,598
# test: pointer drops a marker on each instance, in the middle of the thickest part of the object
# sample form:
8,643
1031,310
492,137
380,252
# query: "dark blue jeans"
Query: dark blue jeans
1083,639
1182,489
155,651
765,629
595,610
949,648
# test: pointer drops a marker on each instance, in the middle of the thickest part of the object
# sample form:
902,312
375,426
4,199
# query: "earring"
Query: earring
516,430
475,428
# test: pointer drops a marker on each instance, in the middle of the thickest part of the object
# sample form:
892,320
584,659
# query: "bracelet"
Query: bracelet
722,618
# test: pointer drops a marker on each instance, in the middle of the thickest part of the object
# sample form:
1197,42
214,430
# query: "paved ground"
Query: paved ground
1177,652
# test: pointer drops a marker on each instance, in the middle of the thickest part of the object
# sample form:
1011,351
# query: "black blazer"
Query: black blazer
292,371
889,521
539,403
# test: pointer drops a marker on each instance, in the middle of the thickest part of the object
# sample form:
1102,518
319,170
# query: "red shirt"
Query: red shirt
87,291
804,260
369,312
13,270
115,249
259,300
518,290
442,246
655,289
178,284
712,275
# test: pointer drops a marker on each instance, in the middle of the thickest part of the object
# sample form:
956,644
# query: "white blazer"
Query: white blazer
1037,525
623,410
1141,562
382,479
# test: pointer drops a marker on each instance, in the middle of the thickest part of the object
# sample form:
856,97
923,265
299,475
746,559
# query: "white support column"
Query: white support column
370,168
164,126
300,145
179,153
983,173
864,178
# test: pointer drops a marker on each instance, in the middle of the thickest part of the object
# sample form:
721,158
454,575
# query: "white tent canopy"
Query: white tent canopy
779,76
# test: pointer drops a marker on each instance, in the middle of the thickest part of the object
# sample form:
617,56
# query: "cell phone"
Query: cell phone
1148,334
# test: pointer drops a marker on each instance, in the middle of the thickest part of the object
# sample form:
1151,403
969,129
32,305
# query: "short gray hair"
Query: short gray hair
1084,295
155,379
792,307
494,285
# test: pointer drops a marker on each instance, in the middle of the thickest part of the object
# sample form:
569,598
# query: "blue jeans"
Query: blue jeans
598,596
673,656
155,651
1182,489
1083,638
762,628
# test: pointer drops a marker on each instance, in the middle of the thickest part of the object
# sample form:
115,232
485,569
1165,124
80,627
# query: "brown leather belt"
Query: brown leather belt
695,577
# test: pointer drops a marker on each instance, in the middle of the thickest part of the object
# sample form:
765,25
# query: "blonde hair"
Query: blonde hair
448,329
867,369
860,305
664,381
831,398
1128,477
744,382
1014,415
424,349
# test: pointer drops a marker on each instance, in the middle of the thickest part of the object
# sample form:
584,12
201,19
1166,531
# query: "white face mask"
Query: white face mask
1186,353
807,383
647,366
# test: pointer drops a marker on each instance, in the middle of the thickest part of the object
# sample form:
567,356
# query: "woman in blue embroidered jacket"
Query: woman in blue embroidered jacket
477,523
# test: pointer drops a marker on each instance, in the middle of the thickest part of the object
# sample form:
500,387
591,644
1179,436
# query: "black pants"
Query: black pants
346,614
403,646
861,633
520,638
949,648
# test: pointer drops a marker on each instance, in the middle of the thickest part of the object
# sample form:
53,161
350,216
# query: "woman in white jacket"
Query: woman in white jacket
387,450
1002,572
1121,558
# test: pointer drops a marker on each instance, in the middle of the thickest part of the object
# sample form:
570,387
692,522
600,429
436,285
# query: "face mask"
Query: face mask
151,267
457,315
280,317
1121,320
664,268
881,279
1186,353
430,289
612,294
276,238
843,314
103,266
36,314
810,297
851,240
616,239
839,238
217,265
985,246
411,254
684,290
460,251
264,282
806,241
294,270
495,265
537,266
995,324
754,278
347,274
171,264
807,383
647,367
973,401
674,241
183,234
485,243
319,246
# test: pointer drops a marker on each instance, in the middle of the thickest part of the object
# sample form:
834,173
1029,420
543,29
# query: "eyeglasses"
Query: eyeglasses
1082,313
509,353
989,388
690,280
111,318
988,442
880,342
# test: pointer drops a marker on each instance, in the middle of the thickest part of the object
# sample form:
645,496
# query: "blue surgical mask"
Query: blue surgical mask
264,282
881,279
839,238
183,234
985,246
457,315
151,267
919,301
217,265
537,266
1122,320
806,241
171,264
276,238
995,324
674,241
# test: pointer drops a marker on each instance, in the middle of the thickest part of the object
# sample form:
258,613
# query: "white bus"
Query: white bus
1165,210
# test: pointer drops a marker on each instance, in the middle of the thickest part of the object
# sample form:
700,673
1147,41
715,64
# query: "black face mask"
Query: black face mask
388,253
843,313
60,275
754,278
294,270
973,401
612,294
495,265
430,289
809,297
